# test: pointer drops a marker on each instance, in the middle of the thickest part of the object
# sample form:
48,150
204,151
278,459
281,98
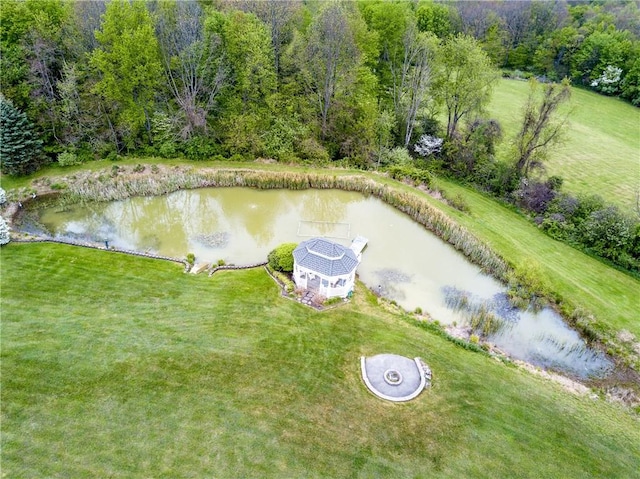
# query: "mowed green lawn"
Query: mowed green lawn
601,151
124,367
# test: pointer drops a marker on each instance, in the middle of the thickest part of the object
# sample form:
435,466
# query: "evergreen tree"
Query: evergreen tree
20,148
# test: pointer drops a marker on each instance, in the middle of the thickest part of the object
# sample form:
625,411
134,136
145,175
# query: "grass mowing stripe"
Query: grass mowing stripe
601,149
167,389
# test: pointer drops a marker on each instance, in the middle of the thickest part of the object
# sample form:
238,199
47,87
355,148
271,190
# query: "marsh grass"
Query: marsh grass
127,184
482,316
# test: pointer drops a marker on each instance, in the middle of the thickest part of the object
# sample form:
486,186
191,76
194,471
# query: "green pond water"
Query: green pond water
403,261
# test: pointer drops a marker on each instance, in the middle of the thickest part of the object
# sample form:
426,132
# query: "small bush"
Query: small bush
474,338
334,300
410,172
221,262
200,149
281,258
113,156
58,186
191,258
459,203
283,279
138,168
68,158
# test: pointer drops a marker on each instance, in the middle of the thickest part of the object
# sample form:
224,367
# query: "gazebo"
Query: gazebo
325,267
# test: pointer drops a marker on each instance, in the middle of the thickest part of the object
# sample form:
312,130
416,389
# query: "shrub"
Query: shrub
199,148
535,196
410,172
69,158
138,168
3,196
281,258
397,156
4,231
191,258
113,156
310,149
608,232
237,157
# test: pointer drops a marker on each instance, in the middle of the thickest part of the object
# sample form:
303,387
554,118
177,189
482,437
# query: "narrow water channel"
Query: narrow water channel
403,261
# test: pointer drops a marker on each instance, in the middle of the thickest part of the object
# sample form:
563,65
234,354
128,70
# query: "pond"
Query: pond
402,262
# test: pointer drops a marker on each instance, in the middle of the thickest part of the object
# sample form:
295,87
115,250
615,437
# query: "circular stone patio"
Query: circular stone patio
393,377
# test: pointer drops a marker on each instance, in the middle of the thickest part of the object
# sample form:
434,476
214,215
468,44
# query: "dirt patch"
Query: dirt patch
568,384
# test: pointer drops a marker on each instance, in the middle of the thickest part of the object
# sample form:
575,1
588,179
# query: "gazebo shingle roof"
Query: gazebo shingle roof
325,257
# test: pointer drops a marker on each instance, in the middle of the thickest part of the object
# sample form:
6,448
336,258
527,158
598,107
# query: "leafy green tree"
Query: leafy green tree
540,129
630,85
128,62
278,16
598,51
553,56
389,21
247,47
435,18
20,148
465,80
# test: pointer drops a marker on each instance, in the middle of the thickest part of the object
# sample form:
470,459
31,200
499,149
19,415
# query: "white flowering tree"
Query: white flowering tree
609,81
428,145
3,196
4,231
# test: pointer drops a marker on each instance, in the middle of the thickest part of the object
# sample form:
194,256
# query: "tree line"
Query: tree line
370,83
290,79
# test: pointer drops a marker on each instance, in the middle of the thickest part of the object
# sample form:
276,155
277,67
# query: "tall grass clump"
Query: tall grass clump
483,317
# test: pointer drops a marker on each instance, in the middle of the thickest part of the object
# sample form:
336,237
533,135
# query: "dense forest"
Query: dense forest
401,85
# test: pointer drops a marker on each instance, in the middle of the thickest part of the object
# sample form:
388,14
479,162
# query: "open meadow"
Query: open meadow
600,153
118,366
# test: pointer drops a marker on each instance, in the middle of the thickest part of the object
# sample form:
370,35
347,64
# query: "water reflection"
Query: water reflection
403,261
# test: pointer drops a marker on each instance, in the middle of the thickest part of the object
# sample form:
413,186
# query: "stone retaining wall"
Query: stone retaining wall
230,266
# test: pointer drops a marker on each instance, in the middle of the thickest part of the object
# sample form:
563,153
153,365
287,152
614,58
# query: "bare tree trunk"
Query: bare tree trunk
188,60
411,79
538,130
330,53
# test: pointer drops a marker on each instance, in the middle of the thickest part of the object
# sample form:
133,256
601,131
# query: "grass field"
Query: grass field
574,277
601,151
116,366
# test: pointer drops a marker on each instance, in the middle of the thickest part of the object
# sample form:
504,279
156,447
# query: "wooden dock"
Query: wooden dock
358,244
